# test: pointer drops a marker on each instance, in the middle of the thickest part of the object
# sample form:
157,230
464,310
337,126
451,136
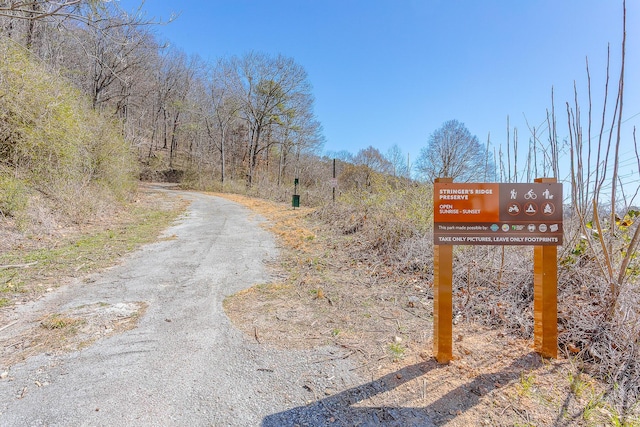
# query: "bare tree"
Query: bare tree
366,164
266,87
299,132
399,162
453,152
342,155
115,51
27,18
373,159
224,107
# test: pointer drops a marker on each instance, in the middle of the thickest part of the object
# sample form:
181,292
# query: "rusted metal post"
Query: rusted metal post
545,296
442,299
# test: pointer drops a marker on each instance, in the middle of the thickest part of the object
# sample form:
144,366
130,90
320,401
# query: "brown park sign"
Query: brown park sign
497,214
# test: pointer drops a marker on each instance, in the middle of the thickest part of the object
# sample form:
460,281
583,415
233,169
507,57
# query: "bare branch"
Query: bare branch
616,163
30,10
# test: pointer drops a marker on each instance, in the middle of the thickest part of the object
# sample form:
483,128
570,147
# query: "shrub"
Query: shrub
52,138
13,196
390,224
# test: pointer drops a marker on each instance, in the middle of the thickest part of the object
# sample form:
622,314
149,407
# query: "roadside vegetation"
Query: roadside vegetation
31,265
53,146
336,286
64,170
90,103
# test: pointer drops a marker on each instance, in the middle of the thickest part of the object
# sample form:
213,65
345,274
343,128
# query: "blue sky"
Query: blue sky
390,72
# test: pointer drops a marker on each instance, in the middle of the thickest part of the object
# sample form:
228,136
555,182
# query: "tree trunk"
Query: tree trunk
281,165
253,156
174,141
222,155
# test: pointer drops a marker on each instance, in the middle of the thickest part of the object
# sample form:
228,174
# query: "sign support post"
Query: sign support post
545,296
442,299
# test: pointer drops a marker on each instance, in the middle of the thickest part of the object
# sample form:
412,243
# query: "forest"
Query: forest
91,102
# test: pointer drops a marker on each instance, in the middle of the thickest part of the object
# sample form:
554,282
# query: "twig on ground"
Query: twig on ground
505,409
29,264
417,315
368,363
328,359
9,325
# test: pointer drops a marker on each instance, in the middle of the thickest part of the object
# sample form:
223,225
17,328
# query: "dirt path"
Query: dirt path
184,363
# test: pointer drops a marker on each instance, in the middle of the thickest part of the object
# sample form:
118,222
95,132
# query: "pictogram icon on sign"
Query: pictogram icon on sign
548,209
547,194
530,208
514,209
530,195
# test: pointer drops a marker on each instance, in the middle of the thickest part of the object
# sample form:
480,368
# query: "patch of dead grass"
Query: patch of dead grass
71,330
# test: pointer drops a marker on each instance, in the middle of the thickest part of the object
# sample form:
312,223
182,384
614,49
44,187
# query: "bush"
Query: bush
390,224
52,138
390,218
13,197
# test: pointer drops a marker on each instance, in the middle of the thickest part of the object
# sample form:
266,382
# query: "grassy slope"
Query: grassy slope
83,249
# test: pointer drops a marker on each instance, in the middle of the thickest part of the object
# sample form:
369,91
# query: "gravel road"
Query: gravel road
185,364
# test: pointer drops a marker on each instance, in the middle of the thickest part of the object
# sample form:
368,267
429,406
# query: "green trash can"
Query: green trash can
295,201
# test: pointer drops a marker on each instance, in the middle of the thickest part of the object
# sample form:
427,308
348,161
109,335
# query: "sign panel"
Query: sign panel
497,214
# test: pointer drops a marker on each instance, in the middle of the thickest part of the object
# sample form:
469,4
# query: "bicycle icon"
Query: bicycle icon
530,195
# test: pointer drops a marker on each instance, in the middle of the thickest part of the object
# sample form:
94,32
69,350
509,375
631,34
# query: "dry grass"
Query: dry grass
70,330
334,289
32,262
